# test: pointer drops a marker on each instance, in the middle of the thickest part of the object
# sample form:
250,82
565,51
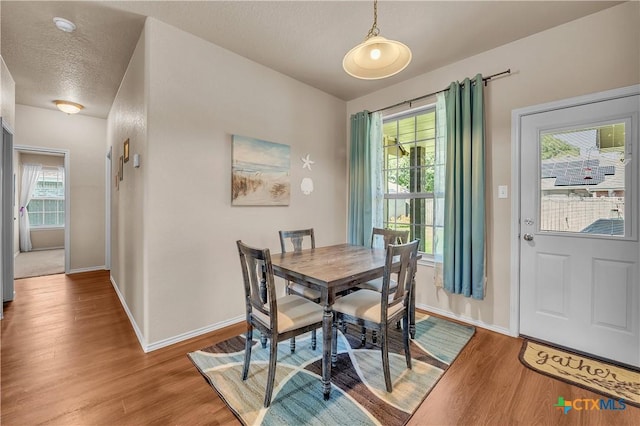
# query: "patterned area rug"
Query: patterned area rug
358,395
606,379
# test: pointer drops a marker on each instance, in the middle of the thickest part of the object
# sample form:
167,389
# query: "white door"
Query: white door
579,256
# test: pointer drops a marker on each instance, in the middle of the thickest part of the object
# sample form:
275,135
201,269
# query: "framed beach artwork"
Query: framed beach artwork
260,173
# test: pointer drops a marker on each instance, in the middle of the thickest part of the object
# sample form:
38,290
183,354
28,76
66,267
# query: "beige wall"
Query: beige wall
46,239
592,54
7,97
41,239
84,138
198,96
128,119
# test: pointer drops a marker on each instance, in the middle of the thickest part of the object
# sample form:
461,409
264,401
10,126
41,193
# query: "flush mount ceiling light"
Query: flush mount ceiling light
376,57
64,25
68,107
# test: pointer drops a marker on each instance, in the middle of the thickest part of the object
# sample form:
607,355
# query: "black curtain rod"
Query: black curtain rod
410,101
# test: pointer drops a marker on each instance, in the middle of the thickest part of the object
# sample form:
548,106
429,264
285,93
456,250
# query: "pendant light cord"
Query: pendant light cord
374,31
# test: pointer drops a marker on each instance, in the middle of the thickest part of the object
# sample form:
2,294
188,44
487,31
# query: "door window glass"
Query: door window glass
582,180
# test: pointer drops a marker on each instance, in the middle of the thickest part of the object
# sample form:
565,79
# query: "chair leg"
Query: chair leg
374,336
405,338
314,340
363,336
385,357
247,352
271,376
334,344
287,291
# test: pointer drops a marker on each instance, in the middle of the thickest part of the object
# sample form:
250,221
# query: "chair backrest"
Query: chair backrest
256,268
389,236
402,261
296,238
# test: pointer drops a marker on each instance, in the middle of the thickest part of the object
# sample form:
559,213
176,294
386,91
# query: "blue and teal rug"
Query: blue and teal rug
358,395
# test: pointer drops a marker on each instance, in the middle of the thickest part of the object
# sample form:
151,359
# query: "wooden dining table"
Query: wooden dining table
331,270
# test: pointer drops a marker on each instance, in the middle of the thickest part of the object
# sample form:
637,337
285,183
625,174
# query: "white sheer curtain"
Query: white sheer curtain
439,186
29,179
377,186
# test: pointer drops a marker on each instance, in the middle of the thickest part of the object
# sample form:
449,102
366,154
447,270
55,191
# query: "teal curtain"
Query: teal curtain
464,199
365,199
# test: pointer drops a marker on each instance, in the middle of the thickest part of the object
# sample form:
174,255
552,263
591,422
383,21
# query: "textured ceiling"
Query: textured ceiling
303,39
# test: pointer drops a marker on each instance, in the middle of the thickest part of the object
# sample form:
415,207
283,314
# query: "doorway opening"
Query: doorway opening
41,234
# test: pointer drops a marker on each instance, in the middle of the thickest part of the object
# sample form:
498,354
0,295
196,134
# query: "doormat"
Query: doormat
358,394
607,379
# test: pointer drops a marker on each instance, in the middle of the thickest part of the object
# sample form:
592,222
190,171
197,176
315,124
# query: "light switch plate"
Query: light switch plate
503,191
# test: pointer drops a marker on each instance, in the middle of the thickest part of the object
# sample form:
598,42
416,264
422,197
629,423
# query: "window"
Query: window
583,180
46,208
409,146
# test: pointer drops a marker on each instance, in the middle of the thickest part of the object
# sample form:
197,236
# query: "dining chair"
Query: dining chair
376,310
389,236
279,318
297,238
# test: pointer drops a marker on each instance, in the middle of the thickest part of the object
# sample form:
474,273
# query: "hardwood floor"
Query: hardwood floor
70,357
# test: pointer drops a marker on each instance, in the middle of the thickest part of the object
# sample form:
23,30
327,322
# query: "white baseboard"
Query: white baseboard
171,340
132,320
48,248
194,333
89,269
467,320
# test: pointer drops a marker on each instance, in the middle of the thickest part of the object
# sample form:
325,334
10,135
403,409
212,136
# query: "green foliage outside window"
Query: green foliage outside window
408,175
553,148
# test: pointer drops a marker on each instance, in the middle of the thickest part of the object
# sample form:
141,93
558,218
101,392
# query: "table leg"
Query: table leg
327,324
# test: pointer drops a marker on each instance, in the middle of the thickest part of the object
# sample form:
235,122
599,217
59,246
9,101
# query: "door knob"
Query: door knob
528,237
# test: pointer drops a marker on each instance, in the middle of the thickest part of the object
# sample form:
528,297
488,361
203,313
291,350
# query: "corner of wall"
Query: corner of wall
7,97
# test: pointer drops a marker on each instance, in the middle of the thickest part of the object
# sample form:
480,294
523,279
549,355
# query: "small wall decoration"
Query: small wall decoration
306,186
126,150
260,173
307,162
121,168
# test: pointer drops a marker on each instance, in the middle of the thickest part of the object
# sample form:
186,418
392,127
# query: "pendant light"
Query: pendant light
376,57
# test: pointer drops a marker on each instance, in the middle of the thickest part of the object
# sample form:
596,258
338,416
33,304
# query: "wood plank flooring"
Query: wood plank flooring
70,357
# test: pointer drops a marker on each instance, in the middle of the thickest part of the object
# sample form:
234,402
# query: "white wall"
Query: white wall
84,137
595,53
198,96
